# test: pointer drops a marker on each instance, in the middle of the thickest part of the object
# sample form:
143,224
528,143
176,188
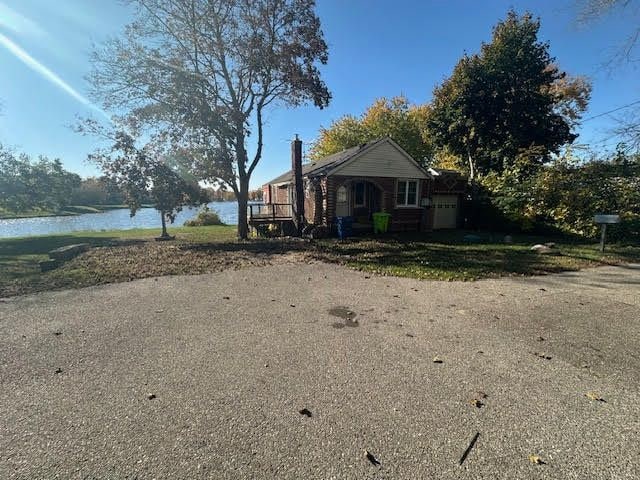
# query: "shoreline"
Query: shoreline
69,211
75,210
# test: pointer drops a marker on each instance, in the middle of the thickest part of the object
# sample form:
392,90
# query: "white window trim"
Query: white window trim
406,193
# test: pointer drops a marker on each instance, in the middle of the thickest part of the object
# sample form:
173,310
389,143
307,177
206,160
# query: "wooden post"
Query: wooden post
603,234
298,188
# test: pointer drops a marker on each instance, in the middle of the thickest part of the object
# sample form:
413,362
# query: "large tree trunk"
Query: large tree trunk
243,197
164,225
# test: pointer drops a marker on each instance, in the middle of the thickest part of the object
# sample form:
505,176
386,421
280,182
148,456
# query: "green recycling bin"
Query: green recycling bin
380,222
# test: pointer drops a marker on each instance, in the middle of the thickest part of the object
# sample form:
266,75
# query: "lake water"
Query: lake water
109,220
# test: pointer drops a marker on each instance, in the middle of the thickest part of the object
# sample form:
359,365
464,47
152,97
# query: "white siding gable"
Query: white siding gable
381,160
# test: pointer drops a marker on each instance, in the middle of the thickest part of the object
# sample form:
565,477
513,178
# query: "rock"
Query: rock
539,248
58,371
151,396
437,359
67,252
550,244
306,412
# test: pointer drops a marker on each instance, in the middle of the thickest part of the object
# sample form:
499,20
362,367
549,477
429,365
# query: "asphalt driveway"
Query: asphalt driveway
205,376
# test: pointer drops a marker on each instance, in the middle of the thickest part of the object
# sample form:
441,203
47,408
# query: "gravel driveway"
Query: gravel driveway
204,377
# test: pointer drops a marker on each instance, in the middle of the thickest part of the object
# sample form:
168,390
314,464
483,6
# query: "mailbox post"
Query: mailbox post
603,221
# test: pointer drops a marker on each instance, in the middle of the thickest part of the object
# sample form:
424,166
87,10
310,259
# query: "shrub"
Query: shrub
205,216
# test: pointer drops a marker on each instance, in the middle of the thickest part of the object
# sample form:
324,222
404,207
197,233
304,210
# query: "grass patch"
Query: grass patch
446,256
20,257
125,255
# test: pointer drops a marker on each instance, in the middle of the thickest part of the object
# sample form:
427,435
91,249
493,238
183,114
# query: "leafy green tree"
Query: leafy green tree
509,103
142,177
566,194
27,185
395,118
202,74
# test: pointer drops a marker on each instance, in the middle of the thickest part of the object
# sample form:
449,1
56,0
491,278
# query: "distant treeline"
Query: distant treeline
43,185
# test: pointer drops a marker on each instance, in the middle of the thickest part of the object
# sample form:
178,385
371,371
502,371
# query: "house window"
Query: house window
407,193
359,194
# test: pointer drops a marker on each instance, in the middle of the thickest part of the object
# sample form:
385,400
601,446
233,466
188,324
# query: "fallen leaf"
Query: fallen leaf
476,403
542,355
536,460
595,397
374,461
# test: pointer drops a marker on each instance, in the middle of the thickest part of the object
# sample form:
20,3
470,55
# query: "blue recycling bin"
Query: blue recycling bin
345,227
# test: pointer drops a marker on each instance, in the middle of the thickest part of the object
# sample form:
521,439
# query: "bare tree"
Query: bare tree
628,125
200,74
593,10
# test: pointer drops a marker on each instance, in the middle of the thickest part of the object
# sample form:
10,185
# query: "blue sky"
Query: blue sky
377,48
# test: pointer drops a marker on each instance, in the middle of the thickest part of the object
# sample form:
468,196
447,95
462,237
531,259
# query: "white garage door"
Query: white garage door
445,211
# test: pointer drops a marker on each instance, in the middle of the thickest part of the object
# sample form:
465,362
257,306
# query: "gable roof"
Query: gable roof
328,165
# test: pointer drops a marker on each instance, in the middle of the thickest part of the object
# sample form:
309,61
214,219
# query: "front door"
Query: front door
343,206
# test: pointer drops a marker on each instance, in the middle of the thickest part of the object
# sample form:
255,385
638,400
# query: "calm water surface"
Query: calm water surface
110,220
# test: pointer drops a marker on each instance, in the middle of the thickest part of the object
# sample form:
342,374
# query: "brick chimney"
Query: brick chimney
298,187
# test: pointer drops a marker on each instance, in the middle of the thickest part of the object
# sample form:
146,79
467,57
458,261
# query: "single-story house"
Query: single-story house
378,176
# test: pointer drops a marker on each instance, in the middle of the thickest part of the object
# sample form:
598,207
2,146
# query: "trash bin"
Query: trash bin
380,222
345,227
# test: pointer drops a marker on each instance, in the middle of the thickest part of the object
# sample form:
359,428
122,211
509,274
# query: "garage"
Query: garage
445,211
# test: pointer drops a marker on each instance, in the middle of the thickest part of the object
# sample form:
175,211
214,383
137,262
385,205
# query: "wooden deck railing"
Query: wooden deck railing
271,211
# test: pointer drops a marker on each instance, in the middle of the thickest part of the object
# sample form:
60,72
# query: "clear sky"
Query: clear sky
377,48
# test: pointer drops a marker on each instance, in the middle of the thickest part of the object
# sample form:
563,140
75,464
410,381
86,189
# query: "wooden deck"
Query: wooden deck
270,213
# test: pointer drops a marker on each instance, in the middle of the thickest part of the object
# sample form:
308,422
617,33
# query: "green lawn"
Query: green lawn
446,255
129,254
